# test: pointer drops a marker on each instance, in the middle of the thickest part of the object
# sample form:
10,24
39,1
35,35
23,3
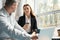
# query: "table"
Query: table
46,34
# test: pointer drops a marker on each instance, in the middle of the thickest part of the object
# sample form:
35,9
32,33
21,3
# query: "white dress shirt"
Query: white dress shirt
28,20
10,28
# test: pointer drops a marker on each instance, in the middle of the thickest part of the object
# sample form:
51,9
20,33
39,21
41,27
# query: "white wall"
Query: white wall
0,4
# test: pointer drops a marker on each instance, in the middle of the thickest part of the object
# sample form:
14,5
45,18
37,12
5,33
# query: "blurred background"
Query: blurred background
46,11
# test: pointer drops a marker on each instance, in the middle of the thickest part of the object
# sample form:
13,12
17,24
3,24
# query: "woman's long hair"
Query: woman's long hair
31,12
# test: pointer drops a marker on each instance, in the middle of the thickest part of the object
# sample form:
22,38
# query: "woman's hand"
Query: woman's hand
25,27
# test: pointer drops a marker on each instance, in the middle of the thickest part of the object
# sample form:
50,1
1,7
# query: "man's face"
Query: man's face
13,7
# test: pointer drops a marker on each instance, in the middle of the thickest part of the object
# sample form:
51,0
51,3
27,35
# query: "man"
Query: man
8,26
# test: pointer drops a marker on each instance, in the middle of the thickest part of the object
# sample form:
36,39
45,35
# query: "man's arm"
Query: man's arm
9,29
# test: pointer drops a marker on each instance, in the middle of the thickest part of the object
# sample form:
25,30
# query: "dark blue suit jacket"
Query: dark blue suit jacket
21,22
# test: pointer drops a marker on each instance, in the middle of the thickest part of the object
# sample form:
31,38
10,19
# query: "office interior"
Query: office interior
47,14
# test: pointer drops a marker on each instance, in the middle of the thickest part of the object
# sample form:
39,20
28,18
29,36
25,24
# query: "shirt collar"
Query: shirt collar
6,13
27,17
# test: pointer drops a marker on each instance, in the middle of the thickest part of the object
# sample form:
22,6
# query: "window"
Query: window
48,12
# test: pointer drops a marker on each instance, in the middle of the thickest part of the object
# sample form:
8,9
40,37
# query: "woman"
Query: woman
28,19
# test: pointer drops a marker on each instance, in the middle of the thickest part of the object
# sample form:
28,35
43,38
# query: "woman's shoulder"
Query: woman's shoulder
21,17
33,17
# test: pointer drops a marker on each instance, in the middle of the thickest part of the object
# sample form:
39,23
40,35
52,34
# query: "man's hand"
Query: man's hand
34,36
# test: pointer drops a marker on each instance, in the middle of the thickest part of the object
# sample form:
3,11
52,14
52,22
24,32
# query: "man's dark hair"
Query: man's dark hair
9,2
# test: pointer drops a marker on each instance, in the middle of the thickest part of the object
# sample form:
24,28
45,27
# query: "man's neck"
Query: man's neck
8,10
